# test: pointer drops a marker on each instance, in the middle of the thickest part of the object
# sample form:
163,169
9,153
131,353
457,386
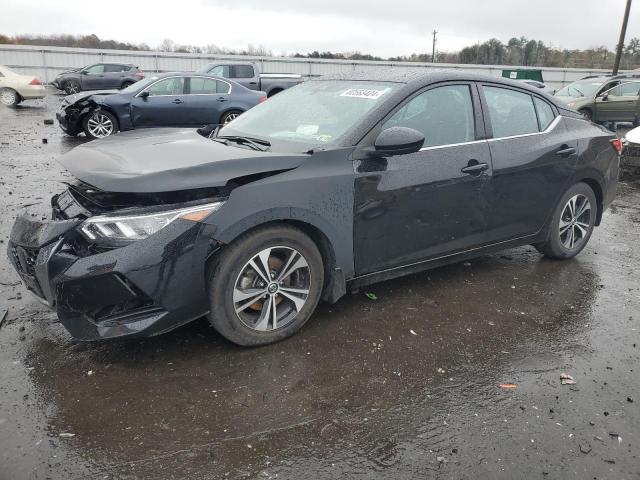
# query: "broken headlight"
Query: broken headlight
123,229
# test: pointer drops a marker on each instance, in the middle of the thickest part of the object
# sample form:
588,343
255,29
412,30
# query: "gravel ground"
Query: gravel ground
405,386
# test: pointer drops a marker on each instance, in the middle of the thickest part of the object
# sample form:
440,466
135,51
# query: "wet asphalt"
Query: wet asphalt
404,386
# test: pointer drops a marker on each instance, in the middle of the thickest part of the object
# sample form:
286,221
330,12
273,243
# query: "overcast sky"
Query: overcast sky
386,28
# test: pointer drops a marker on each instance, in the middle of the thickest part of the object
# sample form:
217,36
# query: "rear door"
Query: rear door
618,104
206,100
409,208
165,105
532,154
114,75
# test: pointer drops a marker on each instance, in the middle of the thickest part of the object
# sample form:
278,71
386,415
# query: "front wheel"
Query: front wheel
265,285
230,116
9,97
100,124
572,223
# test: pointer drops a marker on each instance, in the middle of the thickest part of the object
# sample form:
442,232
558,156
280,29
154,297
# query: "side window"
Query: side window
167,86
220,71
630,89
95,69
203,86
114,68
545,113
614,92
443,114
222,87
242,71
511,112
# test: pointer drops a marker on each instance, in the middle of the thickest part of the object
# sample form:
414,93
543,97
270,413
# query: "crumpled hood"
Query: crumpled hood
168,159
77,97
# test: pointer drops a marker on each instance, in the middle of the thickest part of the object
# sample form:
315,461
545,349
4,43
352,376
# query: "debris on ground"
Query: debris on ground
48,121
371,296
3,315
412,332
566,379
508,386
67,435
585,448
441,370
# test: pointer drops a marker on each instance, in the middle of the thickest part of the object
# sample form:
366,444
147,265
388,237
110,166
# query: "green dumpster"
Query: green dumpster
523,74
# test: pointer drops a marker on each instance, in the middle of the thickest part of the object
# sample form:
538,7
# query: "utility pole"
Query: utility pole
433,50
623,33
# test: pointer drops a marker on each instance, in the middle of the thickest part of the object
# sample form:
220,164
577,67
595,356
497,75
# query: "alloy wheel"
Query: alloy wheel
272,288
8,97
230,118
100,125
575,222
72,87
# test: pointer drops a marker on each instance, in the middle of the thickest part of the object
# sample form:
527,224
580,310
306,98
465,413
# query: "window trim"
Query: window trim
487,117
217,79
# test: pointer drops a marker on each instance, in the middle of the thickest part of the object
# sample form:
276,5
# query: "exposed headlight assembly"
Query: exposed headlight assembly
123,229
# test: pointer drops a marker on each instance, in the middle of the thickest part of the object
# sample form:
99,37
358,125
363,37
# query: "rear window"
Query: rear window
242,71
545,113
511,112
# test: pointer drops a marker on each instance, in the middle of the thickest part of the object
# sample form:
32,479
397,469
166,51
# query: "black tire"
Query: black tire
91,132
559,244
72,86
586,113
273,92
230,116
230,269
125,85
9,97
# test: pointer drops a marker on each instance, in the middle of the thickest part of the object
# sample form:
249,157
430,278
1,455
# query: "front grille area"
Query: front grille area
25,262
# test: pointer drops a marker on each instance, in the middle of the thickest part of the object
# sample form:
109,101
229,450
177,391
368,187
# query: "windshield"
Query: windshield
138,86
580,89
313,113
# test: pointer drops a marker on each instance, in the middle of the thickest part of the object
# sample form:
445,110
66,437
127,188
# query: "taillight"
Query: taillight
139,74
262,99
35,81
616,143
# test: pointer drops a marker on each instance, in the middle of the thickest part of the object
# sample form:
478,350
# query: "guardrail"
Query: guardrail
47,62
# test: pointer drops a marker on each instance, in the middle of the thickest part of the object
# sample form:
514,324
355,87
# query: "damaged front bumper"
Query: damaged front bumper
135,290
69,120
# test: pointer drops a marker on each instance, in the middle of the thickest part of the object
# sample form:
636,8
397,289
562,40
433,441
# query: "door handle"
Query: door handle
253,83
222,99
177,101
566,151
475,168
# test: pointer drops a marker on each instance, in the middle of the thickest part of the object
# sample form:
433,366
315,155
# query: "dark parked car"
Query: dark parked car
248,75
97,77
333,184
167,100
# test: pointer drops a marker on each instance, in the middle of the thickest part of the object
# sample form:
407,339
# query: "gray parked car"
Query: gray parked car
248,75
100,76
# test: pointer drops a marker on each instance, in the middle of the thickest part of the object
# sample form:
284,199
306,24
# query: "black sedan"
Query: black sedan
330,185
167,100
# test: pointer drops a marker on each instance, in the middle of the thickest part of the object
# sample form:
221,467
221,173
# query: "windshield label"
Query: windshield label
307,129
364,93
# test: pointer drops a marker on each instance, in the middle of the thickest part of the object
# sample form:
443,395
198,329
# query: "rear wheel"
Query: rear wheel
230,116
71,87
572,223
100,124
265,285
9,97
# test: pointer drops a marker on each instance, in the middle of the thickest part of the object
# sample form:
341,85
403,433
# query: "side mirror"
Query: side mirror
144,95
84,72
399,141
605,97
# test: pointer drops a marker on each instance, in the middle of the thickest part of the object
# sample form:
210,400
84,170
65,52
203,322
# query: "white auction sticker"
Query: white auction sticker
364,93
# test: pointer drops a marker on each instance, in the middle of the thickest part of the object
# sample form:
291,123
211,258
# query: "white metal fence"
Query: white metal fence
47,62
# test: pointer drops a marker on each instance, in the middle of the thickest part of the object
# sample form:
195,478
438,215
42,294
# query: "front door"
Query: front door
427,204
93,78
164,107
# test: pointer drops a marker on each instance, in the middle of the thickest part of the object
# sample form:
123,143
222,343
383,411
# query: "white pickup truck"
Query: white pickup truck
248,75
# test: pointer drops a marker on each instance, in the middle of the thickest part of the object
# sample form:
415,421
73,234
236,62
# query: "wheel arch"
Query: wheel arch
231,108
97,106
596,186
335,283
274,91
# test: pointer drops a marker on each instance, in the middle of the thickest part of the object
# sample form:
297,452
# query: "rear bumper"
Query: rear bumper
143,289
32,92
